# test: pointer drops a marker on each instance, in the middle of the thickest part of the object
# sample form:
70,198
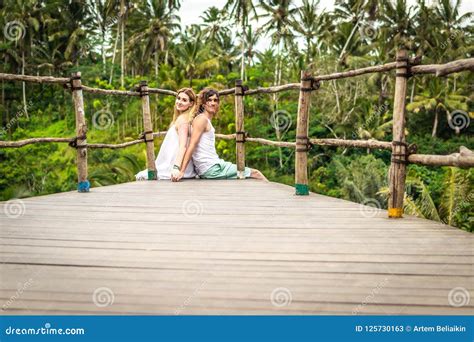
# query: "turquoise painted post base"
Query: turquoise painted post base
302,189
151,175
83,186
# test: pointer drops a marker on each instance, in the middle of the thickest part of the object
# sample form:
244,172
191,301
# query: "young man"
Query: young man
202,148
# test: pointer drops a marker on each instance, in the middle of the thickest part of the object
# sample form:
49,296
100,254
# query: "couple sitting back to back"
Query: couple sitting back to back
189,145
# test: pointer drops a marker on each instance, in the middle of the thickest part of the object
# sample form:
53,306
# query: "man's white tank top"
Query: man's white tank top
205,155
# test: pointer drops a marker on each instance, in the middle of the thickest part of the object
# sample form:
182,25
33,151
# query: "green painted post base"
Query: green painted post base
302,189
151,175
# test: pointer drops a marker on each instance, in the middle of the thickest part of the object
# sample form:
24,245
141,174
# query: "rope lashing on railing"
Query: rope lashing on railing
303,144
315,84
70,85
73,142
403,62
402,158
241,136
243,89
142,136
141,90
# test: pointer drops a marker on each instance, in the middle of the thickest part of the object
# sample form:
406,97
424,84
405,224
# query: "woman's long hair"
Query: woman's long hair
190,111
202,98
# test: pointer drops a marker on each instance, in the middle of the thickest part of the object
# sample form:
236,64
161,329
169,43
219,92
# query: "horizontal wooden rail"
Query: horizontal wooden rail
21,143
463,159
444,69
34,79
162,91
110,91
385,145
436,69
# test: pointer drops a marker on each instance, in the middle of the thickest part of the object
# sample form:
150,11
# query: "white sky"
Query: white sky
191,10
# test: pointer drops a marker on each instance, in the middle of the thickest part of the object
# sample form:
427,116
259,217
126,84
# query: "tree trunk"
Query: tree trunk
412,90
122,53
348,40
242,62
115,52
435,124
25,107
104,60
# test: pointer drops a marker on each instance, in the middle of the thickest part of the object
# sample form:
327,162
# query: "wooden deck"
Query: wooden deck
226,247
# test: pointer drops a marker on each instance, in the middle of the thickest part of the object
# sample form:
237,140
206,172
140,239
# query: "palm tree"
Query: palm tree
103,20
214,27
311,26
194,54
251,39
438,98
21,26
398,23
457,196
154,24
240,11
279,26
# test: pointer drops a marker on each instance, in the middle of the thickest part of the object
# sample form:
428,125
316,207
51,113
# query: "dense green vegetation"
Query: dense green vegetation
116,43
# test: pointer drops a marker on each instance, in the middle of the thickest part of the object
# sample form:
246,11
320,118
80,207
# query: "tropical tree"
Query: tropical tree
240,12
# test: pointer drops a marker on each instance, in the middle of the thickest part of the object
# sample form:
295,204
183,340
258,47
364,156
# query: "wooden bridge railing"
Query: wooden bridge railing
402,153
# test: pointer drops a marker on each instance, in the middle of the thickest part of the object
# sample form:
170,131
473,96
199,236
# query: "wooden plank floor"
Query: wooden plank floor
225,247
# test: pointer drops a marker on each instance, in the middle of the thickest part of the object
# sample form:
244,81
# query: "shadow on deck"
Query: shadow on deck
226,247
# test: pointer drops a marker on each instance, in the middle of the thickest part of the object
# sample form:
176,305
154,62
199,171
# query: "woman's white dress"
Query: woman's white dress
166,158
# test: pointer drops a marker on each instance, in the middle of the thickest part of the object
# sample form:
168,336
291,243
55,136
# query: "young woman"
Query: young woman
174,145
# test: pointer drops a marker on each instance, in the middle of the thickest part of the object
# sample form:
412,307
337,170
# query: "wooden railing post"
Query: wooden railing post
148,131
239,129
398,164
302,140
80,140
